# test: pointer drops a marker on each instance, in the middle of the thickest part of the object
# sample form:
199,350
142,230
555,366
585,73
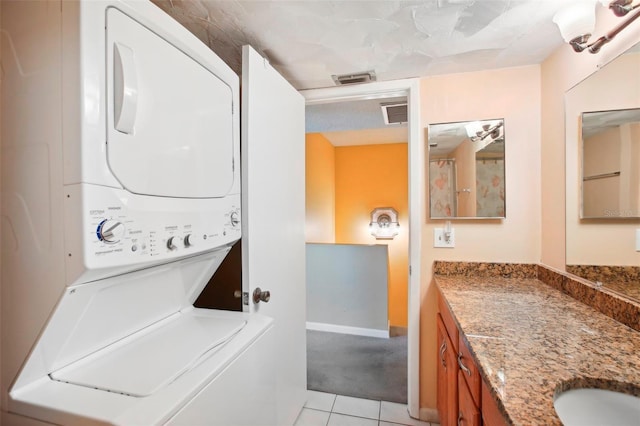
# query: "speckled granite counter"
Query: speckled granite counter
531,341
622,279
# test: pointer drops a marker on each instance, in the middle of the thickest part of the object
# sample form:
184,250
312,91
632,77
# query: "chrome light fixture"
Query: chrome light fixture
479,131
384,223
577,21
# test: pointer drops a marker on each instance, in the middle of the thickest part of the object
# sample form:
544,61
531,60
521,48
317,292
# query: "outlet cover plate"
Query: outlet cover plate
439,241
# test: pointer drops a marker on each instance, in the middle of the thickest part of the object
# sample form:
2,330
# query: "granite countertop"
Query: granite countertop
531,341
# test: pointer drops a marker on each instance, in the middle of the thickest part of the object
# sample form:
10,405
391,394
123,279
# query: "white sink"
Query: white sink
588,406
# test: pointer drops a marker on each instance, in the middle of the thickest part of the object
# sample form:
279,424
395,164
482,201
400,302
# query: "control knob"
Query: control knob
190,240
110,231
234,219
175,242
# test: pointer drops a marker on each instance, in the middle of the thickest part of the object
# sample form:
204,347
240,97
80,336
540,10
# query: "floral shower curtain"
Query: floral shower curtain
442,178
490,185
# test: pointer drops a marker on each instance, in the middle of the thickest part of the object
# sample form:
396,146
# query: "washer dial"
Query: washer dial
110,231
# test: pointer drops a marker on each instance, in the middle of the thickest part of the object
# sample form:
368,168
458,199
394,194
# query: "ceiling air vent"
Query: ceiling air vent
362,77
394,113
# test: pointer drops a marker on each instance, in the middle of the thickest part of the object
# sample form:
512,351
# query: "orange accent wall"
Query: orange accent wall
366,177
320,187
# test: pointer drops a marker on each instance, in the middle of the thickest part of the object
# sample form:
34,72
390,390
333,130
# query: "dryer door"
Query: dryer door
170,119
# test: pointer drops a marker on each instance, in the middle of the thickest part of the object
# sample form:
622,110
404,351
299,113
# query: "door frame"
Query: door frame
411,89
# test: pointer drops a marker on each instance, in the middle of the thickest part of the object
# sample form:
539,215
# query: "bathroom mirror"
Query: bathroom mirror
602,187
467,170
611,164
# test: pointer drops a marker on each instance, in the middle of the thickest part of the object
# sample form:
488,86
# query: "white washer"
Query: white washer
143,163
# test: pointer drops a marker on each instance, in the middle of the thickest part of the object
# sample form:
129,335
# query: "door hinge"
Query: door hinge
409,269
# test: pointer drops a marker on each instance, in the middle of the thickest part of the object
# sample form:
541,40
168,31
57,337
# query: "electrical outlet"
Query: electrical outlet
637,239
439,239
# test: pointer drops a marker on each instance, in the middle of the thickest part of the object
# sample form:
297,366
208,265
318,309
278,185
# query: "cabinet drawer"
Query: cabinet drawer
491,415
468,411
469,371
449,323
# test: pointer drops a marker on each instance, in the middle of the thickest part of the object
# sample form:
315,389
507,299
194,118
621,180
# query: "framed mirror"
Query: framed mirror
603,176
467,170
611,164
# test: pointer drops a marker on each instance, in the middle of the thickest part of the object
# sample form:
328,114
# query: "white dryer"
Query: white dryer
129,200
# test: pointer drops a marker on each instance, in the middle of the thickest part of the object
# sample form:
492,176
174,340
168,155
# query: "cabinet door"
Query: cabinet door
447,377
468,367
442,373
468,412
491,414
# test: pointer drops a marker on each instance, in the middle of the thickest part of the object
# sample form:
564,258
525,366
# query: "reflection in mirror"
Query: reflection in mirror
466,169
603,175
611,164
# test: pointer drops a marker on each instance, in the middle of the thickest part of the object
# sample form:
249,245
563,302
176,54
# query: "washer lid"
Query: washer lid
170,123
142,363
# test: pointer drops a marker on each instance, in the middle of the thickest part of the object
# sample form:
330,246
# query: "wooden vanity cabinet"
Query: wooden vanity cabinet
470,371
468,411
447,377
468,387
463,398
491,415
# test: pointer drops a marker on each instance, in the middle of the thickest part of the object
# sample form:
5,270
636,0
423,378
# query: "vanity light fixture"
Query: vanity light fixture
577,21
384,223
478,131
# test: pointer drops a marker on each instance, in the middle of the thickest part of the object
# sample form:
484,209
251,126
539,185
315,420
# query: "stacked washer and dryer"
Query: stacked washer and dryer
121,197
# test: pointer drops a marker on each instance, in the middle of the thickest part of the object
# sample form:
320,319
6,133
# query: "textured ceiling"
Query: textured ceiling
444,138
308,41
358,122
349,115
597,122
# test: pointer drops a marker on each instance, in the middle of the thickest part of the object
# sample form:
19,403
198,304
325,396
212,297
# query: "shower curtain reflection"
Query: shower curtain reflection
442,176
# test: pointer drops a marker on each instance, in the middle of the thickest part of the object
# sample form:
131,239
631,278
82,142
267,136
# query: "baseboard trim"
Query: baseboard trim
395,331
344,329
429,415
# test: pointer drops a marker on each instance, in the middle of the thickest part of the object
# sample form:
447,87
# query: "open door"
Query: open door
273,218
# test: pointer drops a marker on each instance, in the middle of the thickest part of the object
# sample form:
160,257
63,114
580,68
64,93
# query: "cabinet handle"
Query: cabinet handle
443,348
460,418
462,366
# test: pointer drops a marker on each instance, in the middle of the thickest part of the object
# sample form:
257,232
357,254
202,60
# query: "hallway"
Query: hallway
358,366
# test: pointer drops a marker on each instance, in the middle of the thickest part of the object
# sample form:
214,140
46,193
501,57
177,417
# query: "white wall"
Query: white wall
347,285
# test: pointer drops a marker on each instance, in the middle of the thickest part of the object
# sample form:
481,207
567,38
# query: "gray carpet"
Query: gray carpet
359,366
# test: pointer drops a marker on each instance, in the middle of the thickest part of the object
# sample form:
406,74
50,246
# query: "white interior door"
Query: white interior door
273,217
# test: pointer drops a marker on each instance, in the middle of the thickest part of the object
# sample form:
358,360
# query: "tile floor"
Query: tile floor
327,409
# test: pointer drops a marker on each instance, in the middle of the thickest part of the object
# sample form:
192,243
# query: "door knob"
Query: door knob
259,295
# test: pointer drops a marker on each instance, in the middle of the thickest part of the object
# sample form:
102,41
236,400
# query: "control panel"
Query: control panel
120,231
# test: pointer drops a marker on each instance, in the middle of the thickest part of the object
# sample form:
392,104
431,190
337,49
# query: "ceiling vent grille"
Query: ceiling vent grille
394,113
362,77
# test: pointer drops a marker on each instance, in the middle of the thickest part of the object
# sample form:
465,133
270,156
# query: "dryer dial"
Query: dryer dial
189,240
174,243
234,218
110,231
